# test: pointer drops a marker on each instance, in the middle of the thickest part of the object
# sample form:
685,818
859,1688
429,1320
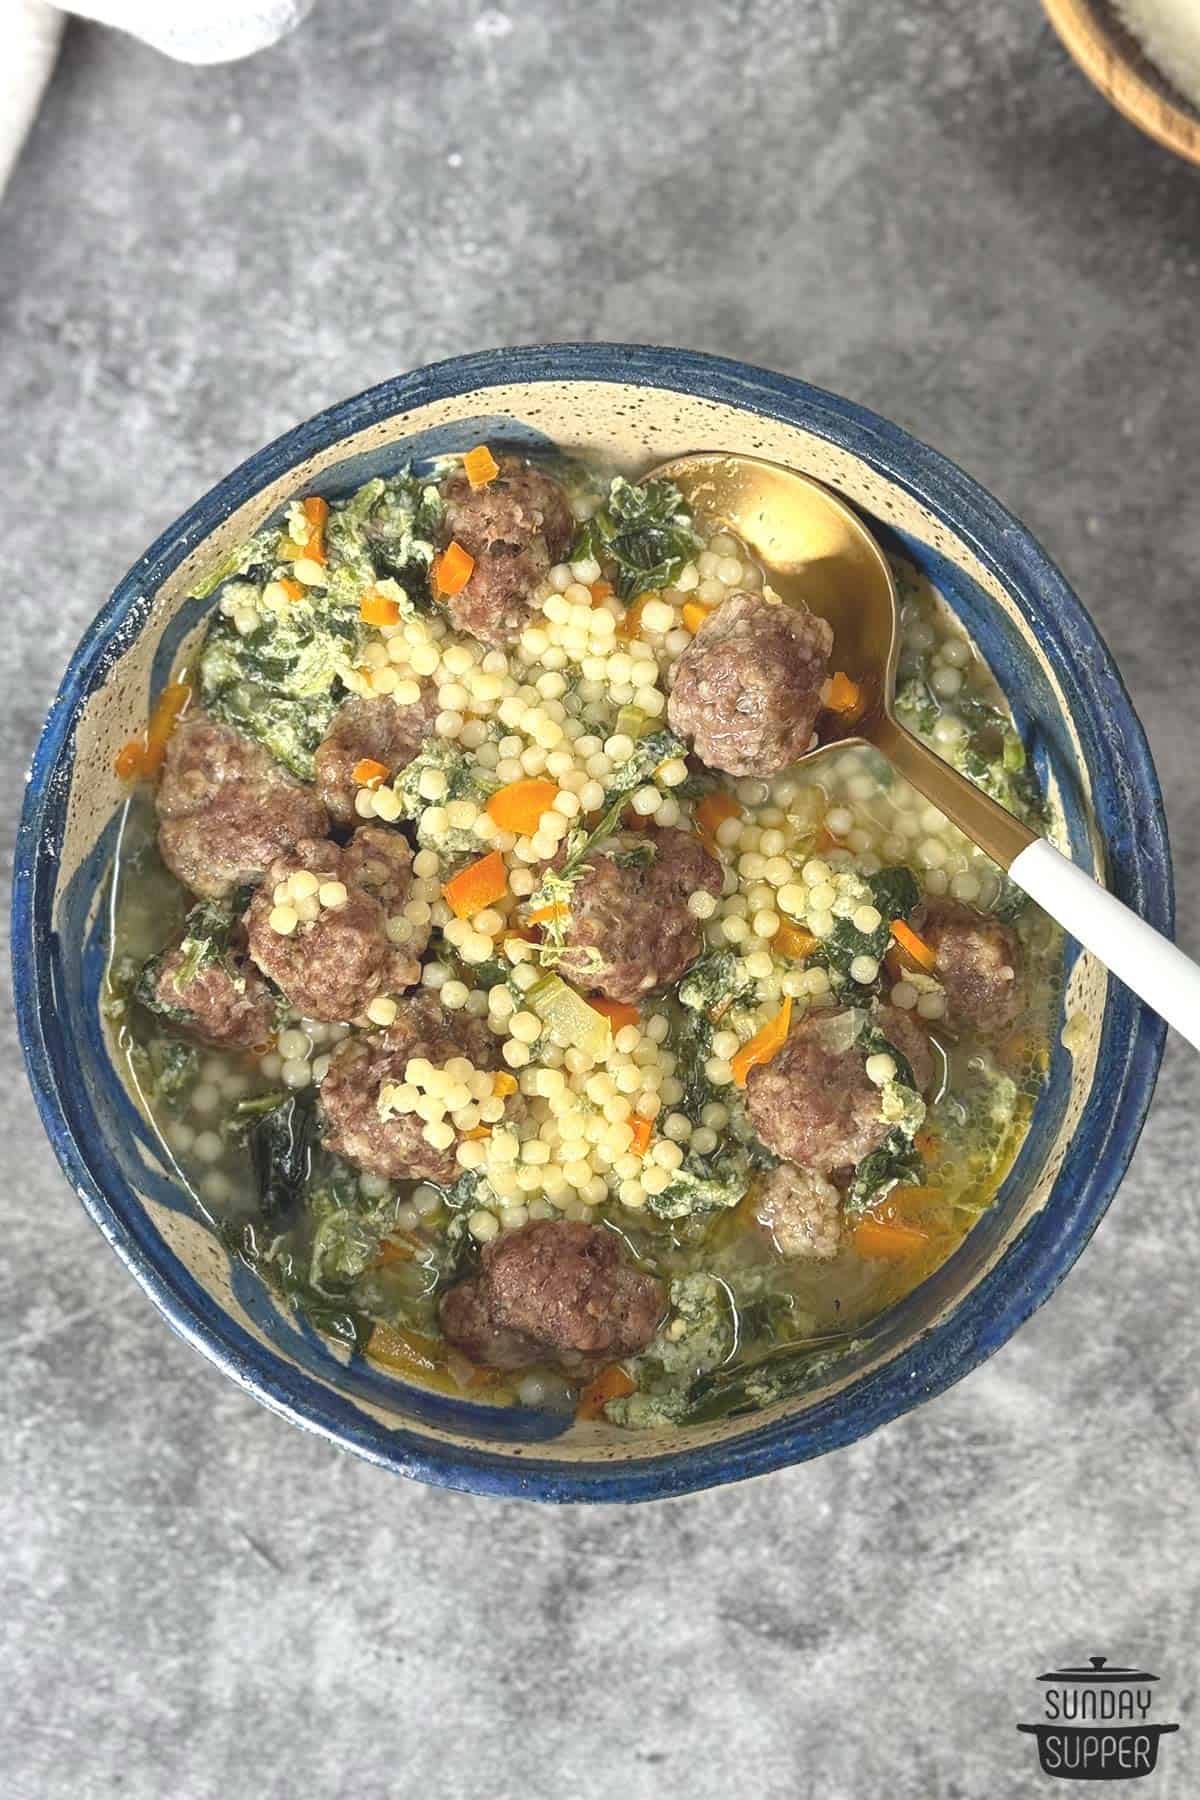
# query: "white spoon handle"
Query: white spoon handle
1146,961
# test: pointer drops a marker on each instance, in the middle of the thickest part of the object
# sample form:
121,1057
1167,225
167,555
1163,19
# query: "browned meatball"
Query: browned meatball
516,528
748,687
904,1031
802,1212
331,967
814,1103
224,1002
553,1289
377,729
630,929
978,964
227,810
395,1146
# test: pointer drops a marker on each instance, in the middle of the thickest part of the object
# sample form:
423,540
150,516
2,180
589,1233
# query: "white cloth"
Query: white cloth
196,31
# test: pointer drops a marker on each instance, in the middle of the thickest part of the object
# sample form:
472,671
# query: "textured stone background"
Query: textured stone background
926,208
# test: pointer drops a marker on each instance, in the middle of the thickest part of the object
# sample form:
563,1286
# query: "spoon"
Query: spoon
820,555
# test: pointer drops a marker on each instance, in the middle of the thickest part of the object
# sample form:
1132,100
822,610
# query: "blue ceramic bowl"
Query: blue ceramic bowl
634,406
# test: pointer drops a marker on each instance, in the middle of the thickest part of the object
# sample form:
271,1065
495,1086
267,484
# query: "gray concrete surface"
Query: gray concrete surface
924,207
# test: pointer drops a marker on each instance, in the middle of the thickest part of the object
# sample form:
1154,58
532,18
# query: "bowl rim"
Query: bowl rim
1031,1267
1113,60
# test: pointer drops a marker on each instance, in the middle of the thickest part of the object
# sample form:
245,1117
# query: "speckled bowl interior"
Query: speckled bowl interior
632,407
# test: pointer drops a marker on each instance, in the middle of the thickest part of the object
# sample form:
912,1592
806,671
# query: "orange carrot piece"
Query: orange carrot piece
406,1350
630,622
712,813
912,945
543,914
887,1240
794,941
316,511
641,1132
480,884
519,806
612,1383
765,1044
618,1012
600,591
128,760
369,773
845,696
480,466
172,704
452,570
694,614
393,1250
477,1132
377,609
504,1084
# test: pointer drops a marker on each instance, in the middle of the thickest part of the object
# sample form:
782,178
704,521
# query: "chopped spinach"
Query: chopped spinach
894,894
702,1185
642,533
174,1067
699,1334
714,983
254,559
779,1375
388,530
897,1159
282,1144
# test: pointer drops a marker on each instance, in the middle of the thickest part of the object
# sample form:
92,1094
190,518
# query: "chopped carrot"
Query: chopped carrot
630,622
377,609
844,696
641,1135
694,615
476,1132
480,466
600,592
452,570
293,589
712,813
316,511
543,914
612,1383
403,1349
887,1240
765,1044
520,805
173,702
618,1012
393,1250
912,945
480,884
504,1084
128,760
369,773
794,941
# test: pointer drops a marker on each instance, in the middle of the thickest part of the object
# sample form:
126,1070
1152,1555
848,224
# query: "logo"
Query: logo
1096,1723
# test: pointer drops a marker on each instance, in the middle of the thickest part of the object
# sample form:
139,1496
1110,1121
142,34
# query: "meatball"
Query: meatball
802,1212
909,1037
395,1145
226,809
553,1289
630,929
378,729
814,1103
332,966
224,1003
748,687
978,964
515,528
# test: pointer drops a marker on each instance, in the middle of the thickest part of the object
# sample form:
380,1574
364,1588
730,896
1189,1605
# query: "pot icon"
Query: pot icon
1096,1725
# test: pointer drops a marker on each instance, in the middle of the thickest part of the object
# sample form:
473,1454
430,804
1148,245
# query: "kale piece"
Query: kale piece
642,533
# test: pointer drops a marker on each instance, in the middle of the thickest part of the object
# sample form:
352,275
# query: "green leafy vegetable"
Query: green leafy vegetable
894,894
208,936
254,559
897,1159
779,1375
642,534
283,1143
698,1335
703,1185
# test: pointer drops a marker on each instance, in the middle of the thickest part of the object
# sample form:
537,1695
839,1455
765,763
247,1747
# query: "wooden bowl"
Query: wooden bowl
1111,57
